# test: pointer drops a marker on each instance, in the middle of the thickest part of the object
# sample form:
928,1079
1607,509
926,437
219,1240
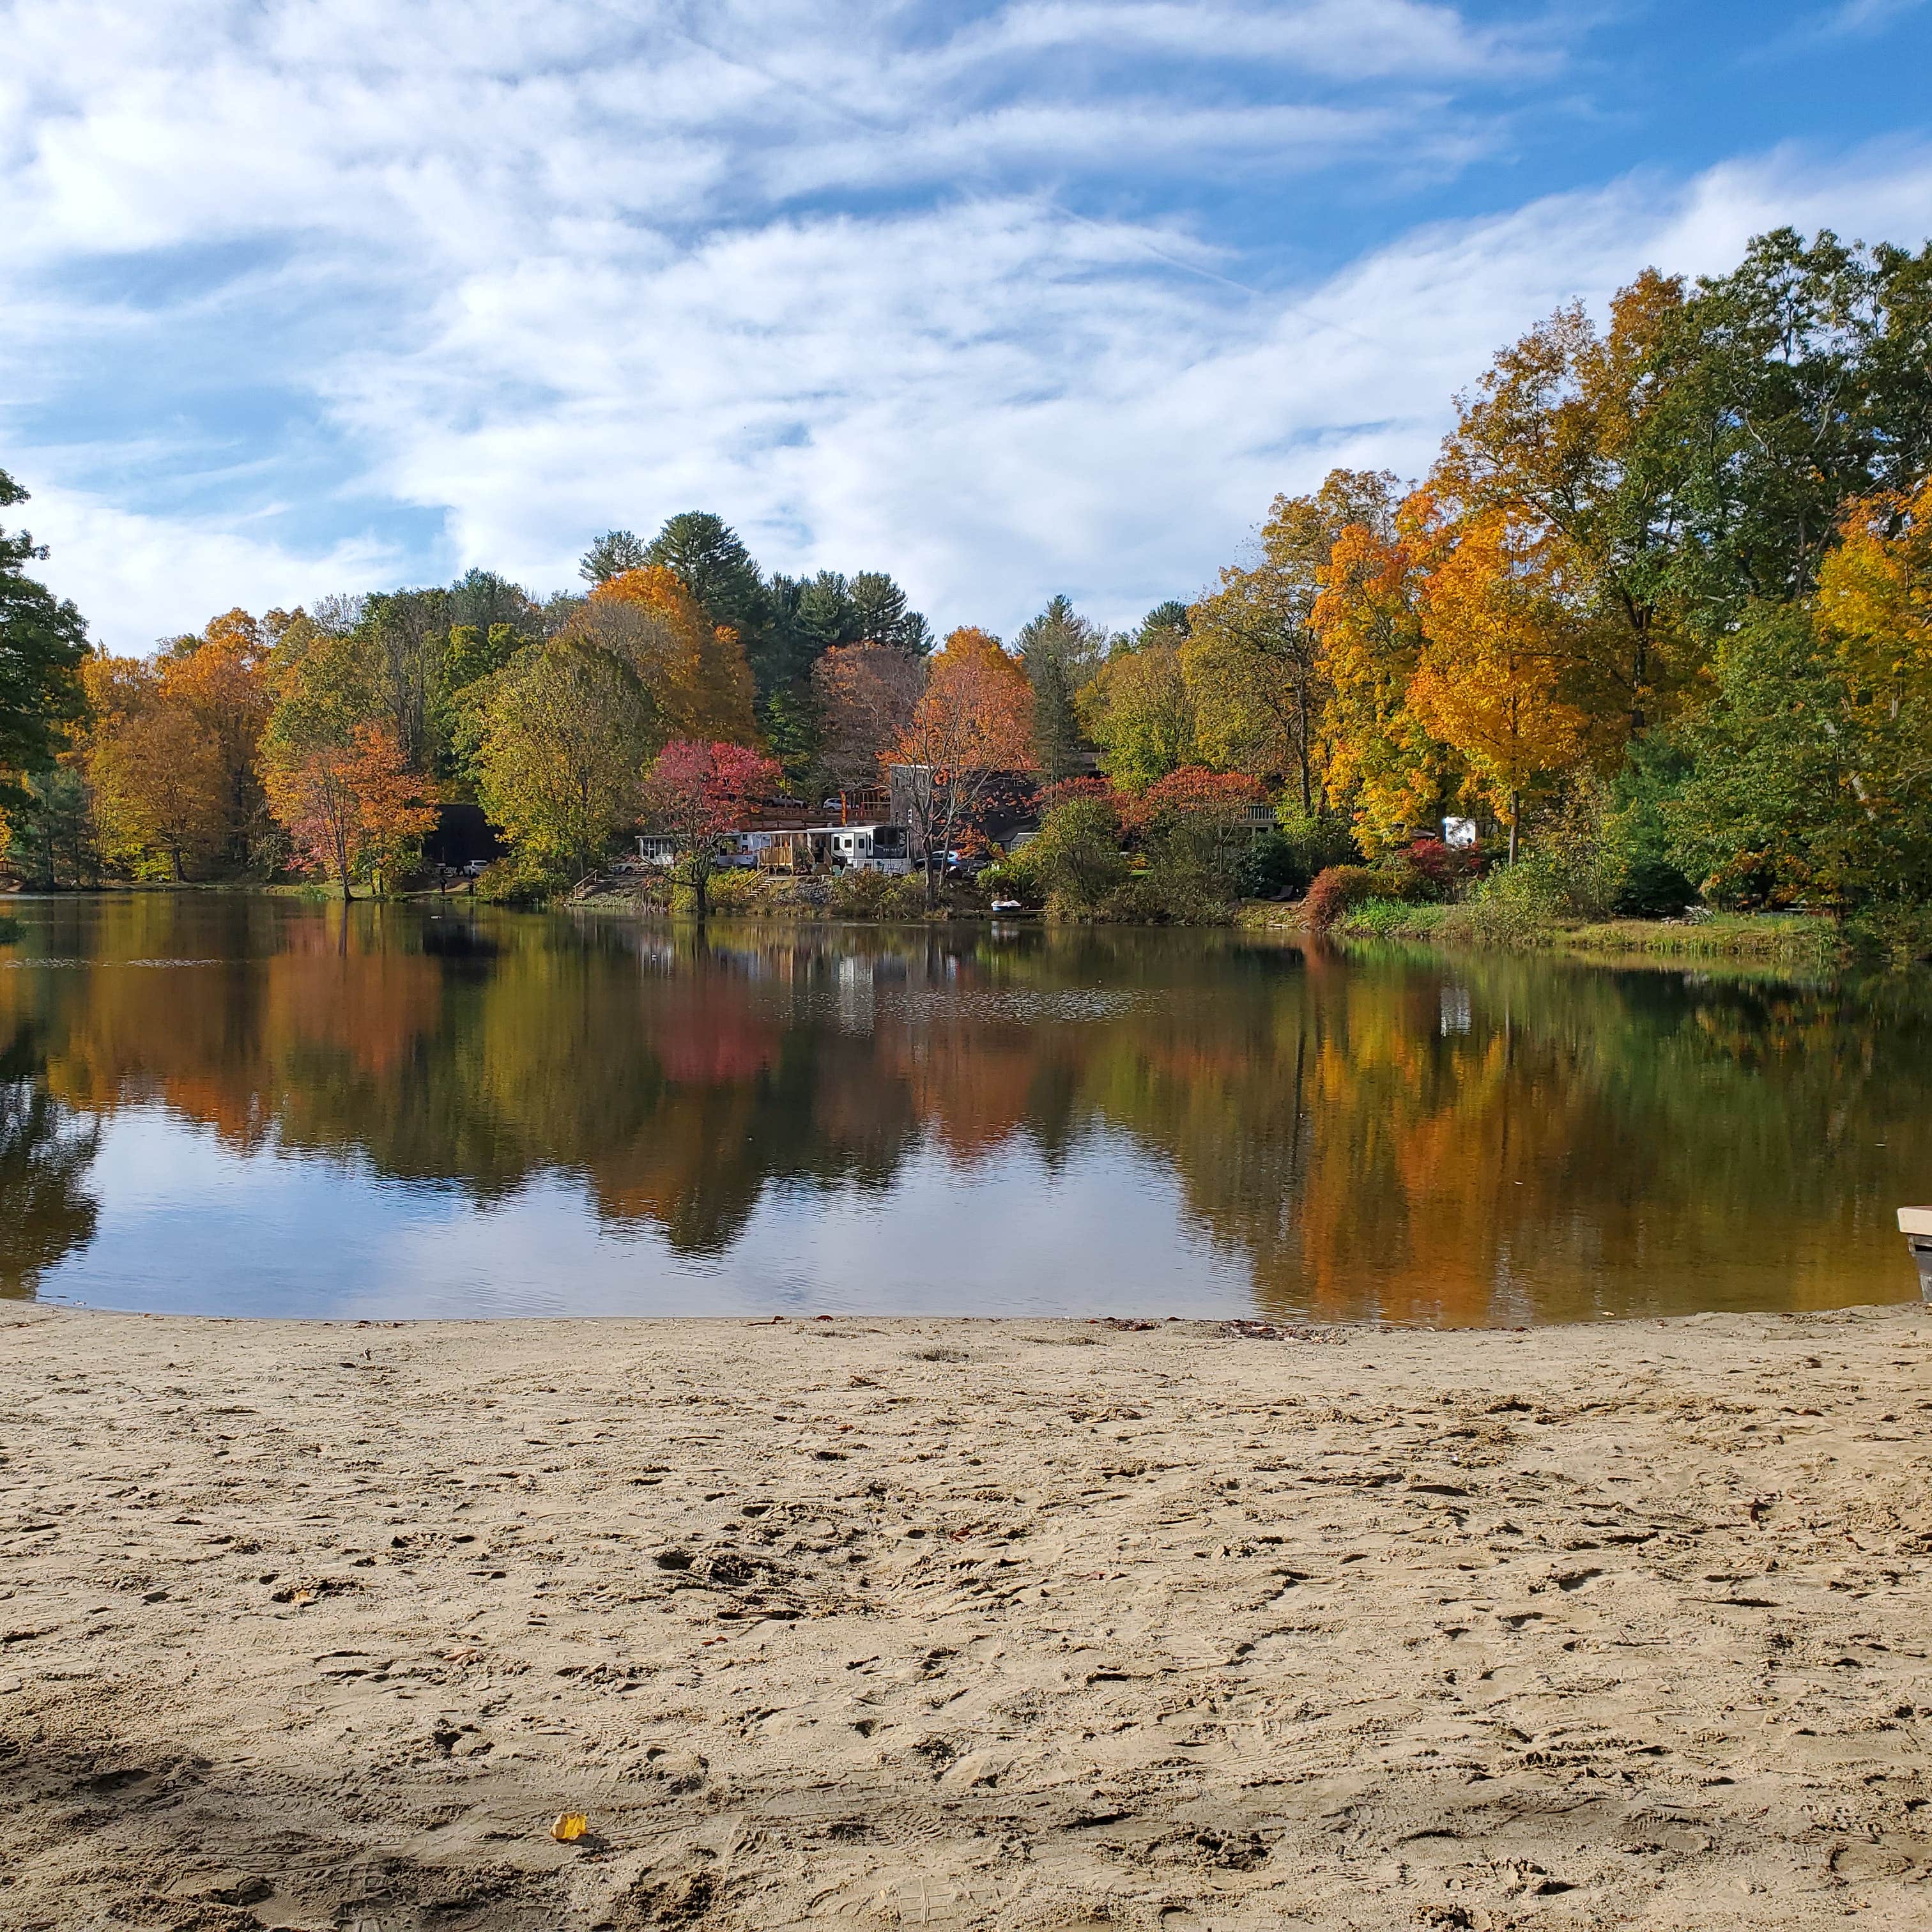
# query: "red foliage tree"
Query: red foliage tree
1192,788
697,794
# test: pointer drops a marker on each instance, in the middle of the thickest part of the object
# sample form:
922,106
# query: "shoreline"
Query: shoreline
1779,942
1002,1622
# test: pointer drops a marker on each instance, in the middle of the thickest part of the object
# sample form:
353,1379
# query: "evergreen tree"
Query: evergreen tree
710,560
615,552
1061,650
42,640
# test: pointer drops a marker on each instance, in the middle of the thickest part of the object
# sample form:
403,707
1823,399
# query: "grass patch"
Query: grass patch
1786,938
1392,919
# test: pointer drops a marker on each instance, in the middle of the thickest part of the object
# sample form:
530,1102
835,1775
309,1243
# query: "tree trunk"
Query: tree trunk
701,882
1515,812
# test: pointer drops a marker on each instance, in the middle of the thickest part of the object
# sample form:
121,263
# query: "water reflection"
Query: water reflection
282,1106
45,1211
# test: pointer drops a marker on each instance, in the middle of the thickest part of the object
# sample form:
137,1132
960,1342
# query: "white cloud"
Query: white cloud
139,578
526,270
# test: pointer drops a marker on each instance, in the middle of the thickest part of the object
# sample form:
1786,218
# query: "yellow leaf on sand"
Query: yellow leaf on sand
570,1826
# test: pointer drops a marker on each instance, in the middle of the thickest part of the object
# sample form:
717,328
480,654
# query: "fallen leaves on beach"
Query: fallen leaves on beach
570,1826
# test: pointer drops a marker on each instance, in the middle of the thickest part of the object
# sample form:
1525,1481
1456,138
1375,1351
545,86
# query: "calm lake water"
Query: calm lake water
239,1105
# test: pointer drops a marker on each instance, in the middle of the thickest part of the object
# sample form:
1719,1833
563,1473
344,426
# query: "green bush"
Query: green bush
1392,919
1013,876
1317,841
1891,935
1521,905
1138,900
519,882
1606,844
1194,859
1271,868
1075,859
876,895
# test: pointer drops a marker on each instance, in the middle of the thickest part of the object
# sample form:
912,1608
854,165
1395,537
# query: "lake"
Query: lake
255,1105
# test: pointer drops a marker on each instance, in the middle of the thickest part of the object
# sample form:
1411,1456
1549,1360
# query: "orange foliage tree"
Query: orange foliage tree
168,747
351,808
692,671
973,721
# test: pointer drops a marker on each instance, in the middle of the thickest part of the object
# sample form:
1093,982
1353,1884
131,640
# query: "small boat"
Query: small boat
1915,1225
1007,908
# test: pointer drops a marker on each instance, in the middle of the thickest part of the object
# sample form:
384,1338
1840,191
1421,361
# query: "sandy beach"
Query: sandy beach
954,1623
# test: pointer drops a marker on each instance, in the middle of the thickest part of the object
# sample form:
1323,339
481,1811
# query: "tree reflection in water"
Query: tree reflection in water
45,1213
1483,1139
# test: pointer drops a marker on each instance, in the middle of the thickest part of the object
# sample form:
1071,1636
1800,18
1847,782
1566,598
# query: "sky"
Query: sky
1009,300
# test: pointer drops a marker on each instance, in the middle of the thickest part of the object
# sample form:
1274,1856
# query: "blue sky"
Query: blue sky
1052,295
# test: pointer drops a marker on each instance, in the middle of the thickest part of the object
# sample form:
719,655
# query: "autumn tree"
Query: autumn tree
1556,437
697,795
1252,658
691,671
352,809
1382,762
160,788
559,737
219,678
974,721
170,747
1499,640
333,768
866,695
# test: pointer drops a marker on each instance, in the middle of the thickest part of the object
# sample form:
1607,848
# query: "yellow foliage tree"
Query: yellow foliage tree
1380,758
1498,641
1548,439
155,771
1253,659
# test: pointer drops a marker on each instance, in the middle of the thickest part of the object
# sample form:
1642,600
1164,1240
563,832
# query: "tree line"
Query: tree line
1659,616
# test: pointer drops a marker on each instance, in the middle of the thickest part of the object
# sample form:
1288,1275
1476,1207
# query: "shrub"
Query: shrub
1317,842
519,882
742,889
1431,870
1516,905
1269,868
855,895
1138,901
1013,876
1194,840
1075,857
1392,919
1892,935
1335,890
